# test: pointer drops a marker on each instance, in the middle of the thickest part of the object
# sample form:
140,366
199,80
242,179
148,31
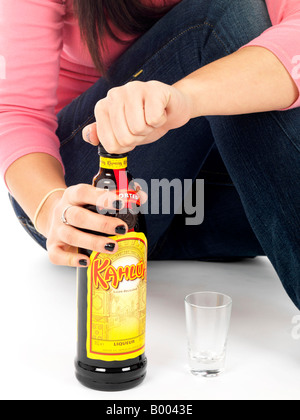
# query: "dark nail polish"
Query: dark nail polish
83,263
118,204
120,230
110,247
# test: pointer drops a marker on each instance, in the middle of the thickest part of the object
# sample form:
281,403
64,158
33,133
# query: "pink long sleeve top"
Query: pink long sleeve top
44,65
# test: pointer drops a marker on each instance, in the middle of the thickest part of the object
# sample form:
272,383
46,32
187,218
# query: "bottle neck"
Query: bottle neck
115,163
110,161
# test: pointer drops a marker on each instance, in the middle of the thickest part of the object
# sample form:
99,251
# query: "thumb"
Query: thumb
89,134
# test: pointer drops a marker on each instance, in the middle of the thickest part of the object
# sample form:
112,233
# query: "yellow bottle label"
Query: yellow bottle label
116,302
115,164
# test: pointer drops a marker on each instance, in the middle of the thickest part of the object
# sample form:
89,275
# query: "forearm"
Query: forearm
30,179
248,81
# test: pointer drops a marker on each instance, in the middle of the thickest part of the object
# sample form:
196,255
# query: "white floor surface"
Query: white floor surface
38,328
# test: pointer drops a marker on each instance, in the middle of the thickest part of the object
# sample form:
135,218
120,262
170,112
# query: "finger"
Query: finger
74,237
118,120
105,132
83,194
58,255
156,105
135,116
116,110
142,194
89,134
109,200
155,114
82,218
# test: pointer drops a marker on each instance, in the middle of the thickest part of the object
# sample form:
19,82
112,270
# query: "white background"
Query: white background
38,328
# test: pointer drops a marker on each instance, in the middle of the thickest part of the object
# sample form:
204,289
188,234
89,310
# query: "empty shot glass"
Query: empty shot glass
208,316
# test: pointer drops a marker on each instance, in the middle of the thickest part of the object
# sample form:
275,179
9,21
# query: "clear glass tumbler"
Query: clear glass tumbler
208,316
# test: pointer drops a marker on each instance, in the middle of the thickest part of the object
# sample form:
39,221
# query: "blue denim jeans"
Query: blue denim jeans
250,163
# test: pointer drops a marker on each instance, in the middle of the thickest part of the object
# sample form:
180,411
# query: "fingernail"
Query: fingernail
88,135
120,230
110,247
118,204
83,263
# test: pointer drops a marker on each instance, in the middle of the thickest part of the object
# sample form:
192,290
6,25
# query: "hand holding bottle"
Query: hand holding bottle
66,236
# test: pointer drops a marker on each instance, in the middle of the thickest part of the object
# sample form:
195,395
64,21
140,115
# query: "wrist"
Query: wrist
43,216
191,90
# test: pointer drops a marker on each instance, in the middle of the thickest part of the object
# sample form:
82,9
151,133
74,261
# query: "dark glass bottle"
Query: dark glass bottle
111,293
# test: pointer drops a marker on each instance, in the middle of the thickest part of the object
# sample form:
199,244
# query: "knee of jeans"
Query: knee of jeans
237,23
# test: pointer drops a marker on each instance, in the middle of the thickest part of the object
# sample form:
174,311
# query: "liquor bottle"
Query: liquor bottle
111,293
